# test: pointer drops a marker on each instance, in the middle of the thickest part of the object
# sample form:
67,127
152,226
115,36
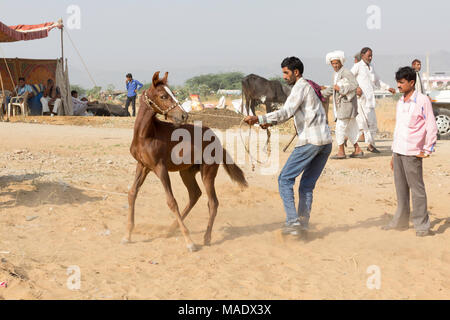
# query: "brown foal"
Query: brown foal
152,147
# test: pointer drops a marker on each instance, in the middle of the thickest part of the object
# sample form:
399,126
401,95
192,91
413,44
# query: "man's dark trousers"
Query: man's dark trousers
131,100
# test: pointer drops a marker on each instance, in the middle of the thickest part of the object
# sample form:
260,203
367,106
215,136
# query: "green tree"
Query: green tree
279,79
229,80
94,92
81,91
110,88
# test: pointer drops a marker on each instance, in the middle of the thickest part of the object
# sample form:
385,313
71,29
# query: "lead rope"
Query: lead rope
267,147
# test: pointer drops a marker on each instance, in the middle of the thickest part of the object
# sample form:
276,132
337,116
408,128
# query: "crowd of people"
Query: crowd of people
354,103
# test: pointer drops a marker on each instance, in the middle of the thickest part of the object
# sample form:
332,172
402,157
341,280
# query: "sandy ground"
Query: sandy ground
63,203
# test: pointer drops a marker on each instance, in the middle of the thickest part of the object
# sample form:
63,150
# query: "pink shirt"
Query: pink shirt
415,126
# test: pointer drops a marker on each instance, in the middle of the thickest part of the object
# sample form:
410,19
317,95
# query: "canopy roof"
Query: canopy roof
26,32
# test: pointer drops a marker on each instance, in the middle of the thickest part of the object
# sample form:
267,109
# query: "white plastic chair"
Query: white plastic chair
17,103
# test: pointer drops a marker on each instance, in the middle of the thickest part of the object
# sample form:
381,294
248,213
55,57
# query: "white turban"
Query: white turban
335,55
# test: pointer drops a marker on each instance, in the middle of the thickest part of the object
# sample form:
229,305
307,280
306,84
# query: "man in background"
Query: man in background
417,66
24,91
345,104
51,99
80,105
132,88
368,82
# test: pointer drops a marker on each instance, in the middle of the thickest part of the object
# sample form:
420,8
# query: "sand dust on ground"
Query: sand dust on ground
63,209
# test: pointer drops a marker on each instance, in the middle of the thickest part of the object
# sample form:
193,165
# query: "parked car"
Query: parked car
441,107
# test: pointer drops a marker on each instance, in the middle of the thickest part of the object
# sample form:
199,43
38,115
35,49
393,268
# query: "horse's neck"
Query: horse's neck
145,123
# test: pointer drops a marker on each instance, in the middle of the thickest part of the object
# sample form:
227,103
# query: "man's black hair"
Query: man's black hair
406,73
129,75
73,92
365,49
416,60
293,63
22,78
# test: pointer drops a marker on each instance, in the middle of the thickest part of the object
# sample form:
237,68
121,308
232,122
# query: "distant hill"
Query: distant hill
315,69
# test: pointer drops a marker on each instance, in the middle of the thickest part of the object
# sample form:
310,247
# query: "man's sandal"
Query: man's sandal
357,155
336,157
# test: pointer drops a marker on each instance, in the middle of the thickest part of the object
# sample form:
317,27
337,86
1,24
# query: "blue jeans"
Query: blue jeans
309,159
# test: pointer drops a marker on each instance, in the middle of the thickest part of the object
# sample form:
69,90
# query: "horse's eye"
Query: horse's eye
163,97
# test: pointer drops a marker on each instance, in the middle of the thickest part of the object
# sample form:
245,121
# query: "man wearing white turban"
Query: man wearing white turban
345,105
368,81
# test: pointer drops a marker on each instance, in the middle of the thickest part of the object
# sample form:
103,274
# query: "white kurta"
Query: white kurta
368,81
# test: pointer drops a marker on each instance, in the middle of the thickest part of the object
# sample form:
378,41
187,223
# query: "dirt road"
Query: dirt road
63,204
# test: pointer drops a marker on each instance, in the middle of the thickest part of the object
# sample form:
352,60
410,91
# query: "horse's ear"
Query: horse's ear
155,79
164,80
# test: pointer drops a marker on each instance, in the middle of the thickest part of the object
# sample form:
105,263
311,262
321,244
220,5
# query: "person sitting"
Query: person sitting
51,99
80,105
24,91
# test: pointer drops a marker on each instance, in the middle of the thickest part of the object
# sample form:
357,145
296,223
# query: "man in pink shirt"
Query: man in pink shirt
414,139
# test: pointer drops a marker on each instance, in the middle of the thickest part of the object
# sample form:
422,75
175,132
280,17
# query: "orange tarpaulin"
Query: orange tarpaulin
35,71
26,32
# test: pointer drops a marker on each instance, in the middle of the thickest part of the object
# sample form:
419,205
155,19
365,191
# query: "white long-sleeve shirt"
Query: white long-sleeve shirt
309,115
368,81
78,105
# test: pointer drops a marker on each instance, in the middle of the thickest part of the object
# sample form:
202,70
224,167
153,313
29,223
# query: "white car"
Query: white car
441,107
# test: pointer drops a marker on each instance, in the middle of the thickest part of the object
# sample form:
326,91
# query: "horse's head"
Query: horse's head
161,99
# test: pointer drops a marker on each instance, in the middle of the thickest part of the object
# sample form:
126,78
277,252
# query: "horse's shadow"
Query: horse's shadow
232,232
236,232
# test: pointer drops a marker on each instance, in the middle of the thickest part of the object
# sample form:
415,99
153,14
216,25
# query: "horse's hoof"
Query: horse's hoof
125,241
207,242
192,247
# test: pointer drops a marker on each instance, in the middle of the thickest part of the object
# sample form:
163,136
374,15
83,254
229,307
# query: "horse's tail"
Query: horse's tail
235,173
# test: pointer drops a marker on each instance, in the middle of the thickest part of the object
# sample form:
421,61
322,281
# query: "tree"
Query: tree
229,80
81,91
94,92
279,79
110,88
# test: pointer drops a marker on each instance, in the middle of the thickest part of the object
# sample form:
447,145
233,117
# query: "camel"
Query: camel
152,147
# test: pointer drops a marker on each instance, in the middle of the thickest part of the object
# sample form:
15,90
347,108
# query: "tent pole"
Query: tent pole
60,21
3,99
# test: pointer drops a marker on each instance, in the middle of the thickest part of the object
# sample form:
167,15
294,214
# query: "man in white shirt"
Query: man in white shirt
345,105
417,66
79,105
313,147
368,82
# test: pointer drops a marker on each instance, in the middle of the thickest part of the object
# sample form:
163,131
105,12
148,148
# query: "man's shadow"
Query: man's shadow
232,232
442,228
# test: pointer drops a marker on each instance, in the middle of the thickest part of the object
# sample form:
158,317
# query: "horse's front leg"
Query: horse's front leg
141,174
163,175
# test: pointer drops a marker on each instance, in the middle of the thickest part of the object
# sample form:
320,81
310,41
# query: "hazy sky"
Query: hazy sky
140,36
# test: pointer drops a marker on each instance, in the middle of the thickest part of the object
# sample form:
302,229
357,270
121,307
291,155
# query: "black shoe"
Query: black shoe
373,150
391,227
424,233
